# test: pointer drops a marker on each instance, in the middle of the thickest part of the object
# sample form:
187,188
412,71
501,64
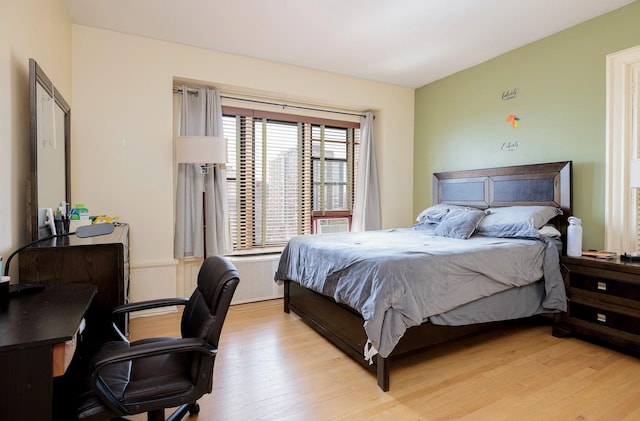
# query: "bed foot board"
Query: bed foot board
383,372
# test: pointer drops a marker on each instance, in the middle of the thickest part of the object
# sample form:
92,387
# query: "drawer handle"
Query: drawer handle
602,318
602,286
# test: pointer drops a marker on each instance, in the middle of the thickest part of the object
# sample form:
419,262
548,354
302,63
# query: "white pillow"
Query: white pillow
549,231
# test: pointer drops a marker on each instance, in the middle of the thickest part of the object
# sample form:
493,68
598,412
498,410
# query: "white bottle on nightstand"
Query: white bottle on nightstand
574,237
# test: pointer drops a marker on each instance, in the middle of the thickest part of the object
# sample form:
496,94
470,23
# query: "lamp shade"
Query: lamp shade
201,150
634,173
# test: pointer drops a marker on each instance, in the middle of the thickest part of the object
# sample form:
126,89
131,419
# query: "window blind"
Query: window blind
283,170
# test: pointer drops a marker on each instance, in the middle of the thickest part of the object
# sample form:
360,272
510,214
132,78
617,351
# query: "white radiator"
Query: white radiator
256,278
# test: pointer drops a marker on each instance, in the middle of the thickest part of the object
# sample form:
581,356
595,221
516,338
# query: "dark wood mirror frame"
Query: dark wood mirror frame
37,77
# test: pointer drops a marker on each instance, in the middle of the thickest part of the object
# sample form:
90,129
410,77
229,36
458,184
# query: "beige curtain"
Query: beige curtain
198,112
366,206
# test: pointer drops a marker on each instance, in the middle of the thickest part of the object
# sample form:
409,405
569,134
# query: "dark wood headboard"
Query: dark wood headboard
546,184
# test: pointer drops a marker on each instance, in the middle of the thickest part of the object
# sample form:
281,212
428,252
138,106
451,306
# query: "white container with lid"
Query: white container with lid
574,237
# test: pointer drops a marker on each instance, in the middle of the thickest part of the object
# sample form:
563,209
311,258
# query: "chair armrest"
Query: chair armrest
154,348
149,304
144,305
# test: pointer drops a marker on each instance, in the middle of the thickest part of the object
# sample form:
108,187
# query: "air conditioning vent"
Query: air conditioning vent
329,225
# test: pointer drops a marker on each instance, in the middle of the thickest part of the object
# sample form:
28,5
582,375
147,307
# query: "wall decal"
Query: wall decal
514,120
507,95
510,146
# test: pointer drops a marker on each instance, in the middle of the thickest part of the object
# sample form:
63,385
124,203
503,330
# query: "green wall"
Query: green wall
461,121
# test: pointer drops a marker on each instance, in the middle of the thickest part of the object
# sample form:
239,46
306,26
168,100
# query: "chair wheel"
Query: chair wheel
195,409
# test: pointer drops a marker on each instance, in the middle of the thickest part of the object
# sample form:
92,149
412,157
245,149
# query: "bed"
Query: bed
387,310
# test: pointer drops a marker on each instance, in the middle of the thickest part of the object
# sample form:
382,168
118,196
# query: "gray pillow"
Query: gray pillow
516,221
459,223
436,213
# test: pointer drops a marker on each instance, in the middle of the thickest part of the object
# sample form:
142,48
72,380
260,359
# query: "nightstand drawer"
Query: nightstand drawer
604,285
606,318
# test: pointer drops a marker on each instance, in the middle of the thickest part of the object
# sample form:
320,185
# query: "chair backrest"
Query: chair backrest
206,310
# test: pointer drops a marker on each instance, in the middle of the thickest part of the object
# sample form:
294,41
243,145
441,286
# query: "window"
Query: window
622,205
285,170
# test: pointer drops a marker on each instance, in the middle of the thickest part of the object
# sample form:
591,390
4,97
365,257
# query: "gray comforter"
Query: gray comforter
399,278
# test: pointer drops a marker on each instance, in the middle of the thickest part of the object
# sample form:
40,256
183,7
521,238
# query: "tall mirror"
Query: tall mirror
50,178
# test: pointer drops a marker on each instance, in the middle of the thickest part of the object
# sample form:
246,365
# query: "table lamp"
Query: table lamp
83,231
634,174
634,183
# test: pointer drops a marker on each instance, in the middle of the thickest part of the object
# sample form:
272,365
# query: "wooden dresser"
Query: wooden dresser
102,261
604,301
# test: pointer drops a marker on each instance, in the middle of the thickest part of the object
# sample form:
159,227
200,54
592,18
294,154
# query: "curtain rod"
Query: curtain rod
299,107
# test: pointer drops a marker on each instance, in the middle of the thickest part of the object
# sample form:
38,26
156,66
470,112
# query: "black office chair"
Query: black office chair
152,374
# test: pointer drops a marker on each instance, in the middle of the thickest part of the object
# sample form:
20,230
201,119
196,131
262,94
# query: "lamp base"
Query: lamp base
629,258
24,288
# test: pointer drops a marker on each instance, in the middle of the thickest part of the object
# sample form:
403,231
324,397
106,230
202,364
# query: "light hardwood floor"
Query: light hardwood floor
271,366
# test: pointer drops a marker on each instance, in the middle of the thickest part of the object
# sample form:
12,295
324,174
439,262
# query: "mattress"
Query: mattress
402,277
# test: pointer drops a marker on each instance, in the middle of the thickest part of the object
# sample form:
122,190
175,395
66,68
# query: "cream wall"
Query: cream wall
38,29
122,133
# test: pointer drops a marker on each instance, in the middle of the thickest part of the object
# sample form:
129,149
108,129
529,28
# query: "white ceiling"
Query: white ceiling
404,42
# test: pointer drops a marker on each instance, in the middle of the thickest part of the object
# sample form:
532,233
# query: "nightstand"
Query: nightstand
604,301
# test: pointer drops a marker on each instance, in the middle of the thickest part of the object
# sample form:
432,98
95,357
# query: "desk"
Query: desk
30,329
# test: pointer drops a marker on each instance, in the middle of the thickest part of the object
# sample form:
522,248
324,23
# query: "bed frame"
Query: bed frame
538,184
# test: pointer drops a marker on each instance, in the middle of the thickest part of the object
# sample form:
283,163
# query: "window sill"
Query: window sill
257,252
